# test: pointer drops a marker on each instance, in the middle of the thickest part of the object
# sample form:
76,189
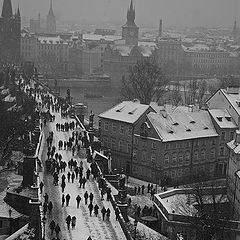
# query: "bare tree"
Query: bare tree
206,209
176,96
146,82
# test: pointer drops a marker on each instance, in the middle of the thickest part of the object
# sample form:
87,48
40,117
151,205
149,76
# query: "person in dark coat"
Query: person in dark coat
91,197
90,207
78,198
108,194
50,207
102,194
68,221
63,185
41,187
74,222
73,177
63,200
103,211
68,176
45,207
108,214
57,230
96,207
84,180
52,226
80,182
117,213
63,178
88,174
46,197
67,199
86,197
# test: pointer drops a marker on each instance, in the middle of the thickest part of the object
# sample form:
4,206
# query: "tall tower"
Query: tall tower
51,21
7,9
130,30
10,33
235,29
160,30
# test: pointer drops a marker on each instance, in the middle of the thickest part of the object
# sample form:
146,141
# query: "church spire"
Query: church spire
51,9
131,14
7,9
18,13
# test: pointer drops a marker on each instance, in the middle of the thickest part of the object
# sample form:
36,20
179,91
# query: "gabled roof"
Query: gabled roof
182,125
127,111
222,118
232,99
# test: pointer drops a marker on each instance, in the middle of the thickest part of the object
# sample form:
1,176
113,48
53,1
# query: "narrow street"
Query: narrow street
86,225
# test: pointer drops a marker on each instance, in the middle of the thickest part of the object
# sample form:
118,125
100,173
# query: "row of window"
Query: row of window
120,145
187,144
114,127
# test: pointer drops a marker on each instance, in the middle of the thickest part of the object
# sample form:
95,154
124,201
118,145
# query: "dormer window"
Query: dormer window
188,130
175,124
120,109
219,119
228,118
132,112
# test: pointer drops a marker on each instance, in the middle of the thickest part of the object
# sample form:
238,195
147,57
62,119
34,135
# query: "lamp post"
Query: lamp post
10,220
44,225
135,228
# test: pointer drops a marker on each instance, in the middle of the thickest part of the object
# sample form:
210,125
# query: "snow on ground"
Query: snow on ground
146,232
86,225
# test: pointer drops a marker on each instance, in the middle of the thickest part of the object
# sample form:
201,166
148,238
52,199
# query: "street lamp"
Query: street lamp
135,228
44,225
10,220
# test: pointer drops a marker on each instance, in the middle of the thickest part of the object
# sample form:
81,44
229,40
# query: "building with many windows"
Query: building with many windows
225,127
172,148
233,175
117,127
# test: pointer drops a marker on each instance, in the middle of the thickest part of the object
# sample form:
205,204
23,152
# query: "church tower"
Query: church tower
51,21
10,33
130,30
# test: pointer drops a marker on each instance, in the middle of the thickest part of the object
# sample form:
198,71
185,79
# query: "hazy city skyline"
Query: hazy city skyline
180,13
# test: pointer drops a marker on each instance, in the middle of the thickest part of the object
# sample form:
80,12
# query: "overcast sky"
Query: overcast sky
179,13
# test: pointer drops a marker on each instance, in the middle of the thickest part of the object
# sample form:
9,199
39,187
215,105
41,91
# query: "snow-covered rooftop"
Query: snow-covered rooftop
127,111
222,118
182,125
96,37
233,100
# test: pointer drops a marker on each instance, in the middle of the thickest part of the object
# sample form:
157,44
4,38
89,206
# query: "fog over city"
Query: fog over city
180,13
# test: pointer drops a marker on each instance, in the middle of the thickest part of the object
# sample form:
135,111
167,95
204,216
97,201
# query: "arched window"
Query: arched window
187,157
196,155
166,158
180,157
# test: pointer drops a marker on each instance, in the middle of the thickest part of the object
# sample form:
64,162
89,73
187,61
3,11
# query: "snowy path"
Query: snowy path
86,225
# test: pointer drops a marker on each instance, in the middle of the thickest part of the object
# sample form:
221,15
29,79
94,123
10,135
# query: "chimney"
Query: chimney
237,137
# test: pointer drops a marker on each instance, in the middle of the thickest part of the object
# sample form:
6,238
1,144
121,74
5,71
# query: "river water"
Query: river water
97,105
